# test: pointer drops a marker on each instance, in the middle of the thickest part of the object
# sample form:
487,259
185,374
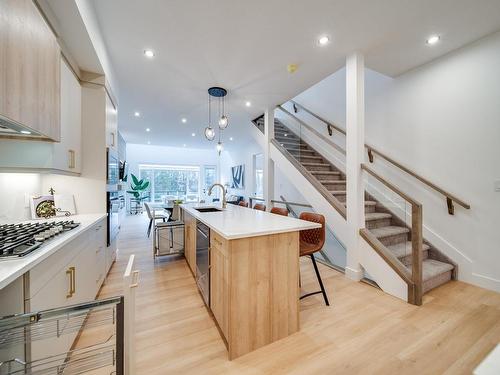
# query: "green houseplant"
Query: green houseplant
138,188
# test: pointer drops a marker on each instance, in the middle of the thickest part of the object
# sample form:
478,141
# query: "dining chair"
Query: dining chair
260,207
279,211
153,216
243,204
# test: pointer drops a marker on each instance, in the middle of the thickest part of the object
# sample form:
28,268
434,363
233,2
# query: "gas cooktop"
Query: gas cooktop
18,240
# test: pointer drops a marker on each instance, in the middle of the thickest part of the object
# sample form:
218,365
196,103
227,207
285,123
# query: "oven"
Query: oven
112,170
113,210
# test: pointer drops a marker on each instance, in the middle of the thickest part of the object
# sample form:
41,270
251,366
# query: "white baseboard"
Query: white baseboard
353,274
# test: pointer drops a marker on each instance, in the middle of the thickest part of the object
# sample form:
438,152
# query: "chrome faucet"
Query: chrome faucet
224,202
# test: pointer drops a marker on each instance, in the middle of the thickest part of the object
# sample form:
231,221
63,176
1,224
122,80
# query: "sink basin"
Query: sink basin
208,209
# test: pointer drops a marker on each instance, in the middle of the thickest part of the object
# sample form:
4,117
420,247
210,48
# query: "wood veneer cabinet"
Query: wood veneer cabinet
254,291
29,69
190,241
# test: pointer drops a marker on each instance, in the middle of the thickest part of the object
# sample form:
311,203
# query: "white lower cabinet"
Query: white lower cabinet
72,275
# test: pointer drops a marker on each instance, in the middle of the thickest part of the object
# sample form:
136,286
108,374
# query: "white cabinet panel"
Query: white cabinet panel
68,153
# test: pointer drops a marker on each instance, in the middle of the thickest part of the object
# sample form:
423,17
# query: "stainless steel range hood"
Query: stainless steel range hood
13,128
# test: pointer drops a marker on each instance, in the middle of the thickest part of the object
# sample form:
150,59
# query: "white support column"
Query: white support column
355,140
268,162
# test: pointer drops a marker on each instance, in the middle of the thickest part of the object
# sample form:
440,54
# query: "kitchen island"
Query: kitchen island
248,273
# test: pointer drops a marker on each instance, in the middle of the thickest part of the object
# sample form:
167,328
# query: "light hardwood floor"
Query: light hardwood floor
364,331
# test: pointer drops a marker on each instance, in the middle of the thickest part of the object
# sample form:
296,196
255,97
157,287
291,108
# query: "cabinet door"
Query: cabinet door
68,153
56,293
29,88
111,125
219,286
190,241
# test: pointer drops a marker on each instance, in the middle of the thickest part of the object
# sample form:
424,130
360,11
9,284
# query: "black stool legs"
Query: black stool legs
322,291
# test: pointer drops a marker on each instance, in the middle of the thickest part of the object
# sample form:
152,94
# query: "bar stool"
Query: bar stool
153,216
311,241
260,207
279,211
243,204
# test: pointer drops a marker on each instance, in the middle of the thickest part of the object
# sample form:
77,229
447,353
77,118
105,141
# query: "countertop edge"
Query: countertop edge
191,210
49,249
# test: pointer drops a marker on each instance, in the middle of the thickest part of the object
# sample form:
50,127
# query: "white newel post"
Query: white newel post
355,140
268,162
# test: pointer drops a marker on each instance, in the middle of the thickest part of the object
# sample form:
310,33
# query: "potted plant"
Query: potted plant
138,190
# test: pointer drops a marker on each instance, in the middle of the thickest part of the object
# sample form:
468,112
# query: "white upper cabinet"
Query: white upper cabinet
68,153
111,125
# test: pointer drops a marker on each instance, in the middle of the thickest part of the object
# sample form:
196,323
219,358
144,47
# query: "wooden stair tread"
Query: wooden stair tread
338,192
389,231
404,249
316,164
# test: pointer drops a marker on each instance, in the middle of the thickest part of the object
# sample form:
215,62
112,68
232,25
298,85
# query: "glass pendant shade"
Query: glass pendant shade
219,147
209,133
223,122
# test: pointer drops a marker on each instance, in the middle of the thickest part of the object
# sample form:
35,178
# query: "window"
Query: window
210,178
172,182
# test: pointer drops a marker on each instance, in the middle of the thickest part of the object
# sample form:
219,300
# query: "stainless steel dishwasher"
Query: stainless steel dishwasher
203,260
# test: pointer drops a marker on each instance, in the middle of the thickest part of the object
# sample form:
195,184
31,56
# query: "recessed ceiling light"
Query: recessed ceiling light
25,132
148,129
137,114
248,104
149,53
184,145
149,143
433,39
193,134
324,40
230,138
184,120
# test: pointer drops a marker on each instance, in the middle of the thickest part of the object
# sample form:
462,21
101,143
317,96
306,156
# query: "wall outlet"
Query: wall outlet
497,185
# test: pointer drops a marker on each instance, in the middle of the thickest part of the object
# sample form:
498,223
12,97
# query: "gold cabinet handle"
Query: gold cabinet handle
73,270
71,273
72,159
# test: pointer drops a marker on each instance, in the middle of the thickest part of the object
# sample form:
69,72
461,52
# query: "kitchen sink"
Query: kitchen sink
208,209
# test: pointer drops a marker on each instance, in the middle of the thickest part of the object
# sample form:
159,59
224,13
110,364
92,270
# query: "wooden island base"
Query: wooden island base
254,287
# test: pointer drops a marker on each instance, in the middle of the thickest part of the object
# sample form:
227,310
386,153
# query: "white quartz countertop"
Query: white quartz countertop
240,222
12,268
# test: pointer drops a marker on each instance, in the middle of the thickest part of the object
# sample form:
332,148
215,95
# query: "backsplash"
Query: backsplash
14,188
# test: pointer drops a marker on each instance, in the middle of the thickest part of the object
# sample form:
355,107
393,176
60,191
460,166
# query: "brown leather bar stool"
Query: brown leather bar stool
260,207
243,204
311,241
279,211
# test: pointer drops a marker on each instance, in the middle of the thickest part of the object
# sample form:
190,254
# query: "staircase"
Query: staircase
384,225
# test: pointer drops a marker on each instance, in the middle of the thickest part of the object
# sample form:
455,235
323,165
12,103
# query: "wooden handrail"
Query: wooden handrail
388,184
450,198
315,182
312,130
340,130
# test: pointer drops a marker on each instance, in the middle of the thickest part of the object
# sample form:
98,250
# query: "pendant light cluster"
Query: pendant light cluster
217,94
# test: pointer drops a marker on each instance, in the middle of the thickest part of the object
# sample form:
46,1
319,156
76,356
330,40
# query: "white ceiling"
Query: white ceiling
245,47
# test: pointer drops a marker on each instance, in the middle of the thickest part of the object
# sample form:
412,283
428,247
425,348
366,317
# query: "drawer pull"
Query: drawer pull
71,272
72,159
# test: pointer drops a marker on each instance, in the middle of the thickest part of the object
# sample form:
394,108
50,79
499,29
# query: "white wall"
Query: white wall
237,155
14,190
443,121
